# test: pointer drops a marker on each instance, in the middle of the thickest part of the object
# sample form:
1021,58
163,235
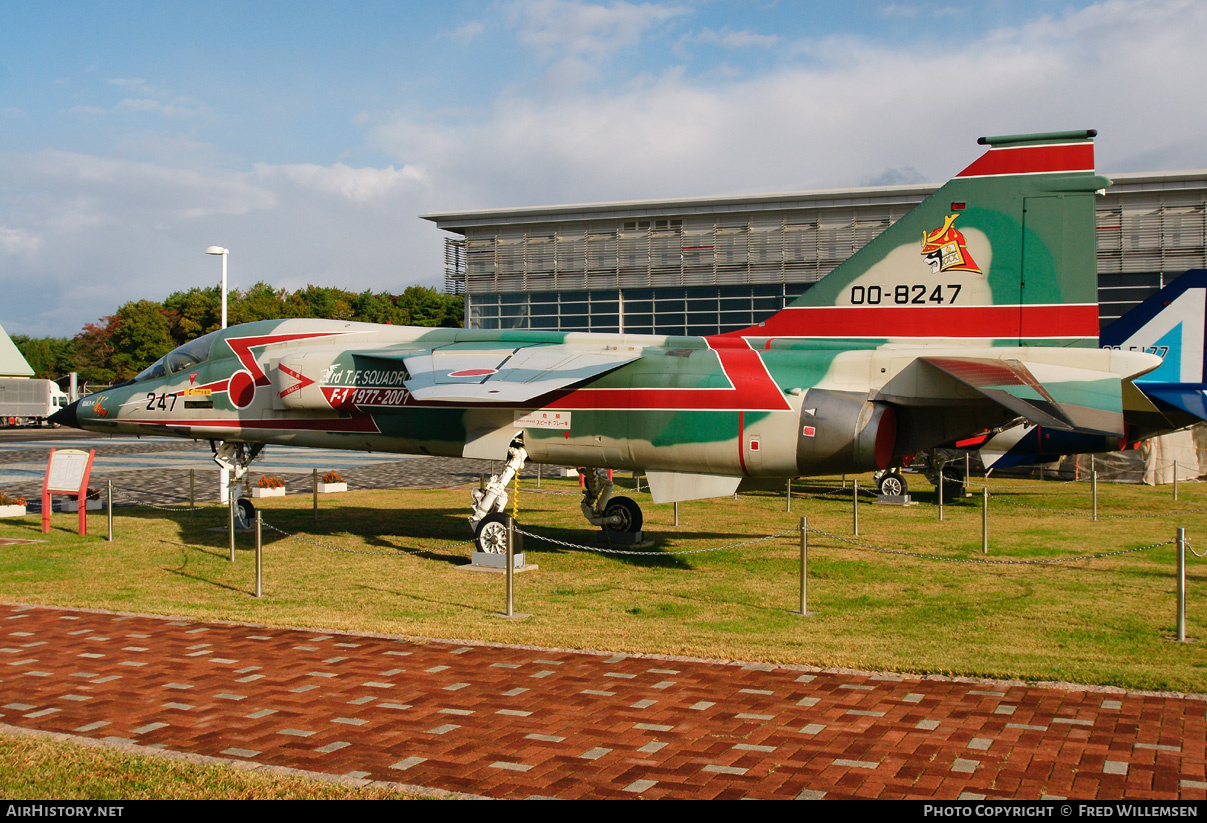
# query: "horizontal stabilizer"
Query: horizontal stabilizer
1189,397
467,373
675,487
1059,397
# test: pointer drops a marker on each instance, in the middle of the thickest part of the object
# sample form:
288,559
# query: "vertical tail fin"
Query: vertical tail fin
1004,253
1173,324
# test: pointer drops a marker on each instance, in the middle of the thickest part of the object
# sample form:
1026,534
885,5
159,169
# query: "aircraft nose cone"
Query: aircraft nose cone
67,416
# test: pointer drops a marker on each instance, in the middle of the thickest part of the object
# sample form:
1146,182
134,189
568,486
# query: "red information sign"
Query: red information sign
67,472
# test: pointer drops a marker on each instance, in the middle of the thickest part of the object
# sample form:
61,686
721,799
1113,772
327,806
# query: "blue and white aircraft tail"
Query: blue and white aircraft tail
1171,323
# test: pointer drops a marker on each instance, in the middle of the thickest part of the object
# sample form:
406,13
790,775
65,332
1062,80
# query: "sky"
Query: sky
309,137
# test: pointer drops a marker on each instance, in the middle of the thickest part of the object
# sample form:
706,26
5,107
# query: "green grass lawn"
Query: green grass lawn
38,768
1107,621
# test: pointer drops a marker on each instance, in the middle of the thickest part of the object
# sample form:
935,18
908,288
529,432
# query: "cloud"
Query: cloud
852,111
356,185
14,241
578,36
150,99
80,234
467,32
729,39
148,105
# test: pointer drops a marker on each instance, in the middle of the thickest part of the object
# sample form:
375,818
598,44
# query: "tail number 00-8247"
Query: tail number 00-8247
918,294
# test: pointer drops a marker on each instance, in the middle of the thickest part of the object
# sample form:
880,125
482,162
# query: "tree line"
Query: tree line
117,347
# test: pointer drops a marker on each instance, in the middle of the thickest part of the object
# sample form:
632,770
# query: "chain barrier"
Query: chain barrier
576,492
601,550
1186,542
441,551
1090,514
977,561
137,501
434,552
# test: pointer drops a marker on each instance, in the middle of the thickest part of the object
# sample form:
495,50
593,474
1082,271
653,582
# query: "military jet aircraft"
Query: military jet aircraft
976,308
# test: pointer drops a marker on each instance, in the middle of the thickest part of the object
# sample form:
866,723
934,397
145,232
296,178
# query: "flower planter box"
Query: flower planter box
260,491
331,488
12,511
74,505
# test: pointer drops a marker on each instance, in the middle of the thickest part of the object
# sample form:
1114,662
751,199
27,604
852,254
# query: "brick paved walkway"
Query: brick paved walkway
517,722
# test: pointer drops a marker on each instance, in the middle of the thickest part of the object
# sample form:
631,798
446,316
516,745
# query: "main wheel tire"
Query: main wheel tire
627,513
892,485
245,513
953,489
490,535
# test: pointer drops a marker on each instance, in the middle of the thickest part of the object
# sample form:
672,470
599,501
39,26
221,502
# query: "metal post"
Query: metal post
804,564
230,512
789,495
1175,480
538,477
940,493
855,506
676,512
192,490
984,520
314,485
844,481
1094,492
1181,584
510,565
109,506
259,553
967,471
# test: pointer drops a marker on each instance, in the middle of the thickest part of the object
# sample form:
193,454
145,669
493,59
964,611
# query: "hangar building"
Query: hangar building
714,264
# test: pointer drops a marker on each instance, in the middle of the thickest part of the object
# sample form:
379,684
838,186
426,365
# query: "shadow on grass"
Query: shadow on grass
185,558
388,529
470,607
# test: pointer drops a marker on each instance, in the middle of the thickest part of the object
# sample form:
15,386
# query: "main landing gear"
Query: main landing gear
489,519
938,466
616,514
236,458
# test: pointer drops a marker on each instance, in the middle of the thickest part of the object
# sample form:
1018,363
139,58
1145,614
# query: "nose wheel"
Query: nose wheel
490,535
245,513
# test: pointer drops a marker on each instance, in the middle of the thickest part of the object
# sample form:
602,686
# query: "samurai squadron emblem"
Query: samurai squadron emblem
946,250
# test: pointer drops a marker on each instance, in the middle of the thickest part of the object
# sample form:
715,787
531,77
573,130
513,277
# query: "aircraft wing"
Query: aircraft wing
1058,397
470,373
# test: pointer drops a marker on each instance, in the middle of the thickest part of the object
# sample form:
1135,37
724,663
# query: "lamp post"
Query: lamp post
224,474
223,252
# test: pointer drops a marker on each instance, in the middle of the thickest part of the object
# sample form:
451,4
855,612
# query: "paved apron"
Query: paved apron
514,722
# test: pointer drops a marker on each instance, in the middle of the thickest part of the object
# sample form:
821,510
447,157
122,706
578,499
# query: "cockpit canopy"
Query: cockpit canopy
181,358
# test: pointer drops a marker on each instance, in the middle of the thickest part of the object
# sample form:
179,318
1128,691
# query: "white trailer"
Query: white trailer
25,401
